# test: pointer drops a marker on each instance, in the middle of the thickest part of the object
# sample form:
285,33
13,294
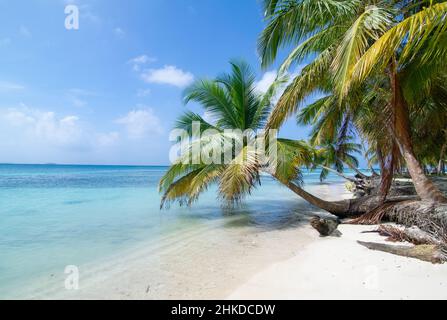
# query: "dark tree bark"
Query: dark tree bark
441,164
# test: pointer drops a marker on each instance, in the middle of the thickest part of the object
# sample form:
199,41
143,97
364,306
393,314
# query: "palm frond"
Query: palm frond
422,30
292,155
292,21
312,77
369,26
240,176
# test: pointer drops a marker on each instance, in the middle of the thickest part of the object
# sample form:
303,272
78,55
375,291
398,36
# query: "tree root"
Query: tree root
427,216
413,235
373,217
428,253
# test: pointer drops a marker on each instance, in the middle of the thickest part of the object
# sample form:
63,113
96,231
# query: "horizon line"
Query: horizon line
79,164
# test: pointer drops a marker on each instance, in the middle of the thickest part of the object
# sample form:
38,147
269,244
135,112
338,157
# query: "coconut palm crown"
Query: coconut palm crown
232,101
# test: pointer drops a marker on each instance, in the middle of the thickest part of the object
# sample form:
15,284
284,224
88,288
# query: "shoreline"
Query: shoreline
204,263
232,259
189,268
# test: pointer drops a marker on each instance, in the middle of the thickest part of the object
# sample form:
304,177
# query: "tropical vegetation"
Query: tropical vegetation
378,68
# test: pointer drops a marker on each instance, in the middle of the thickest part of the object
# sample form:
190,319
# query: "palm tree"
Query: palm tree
332,156
353,43
233,102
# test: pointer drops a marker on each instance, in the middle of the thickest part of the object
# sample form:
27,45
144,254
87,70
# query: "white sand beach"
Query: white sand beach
339,268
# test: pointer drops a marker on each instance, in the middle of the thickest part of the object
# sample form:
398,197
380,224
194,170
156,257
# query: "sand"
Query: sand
339,268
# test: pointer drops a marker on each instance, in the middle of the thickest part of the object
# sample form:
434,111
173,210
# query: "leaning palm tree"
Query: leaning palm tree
233,103
332,156
352,42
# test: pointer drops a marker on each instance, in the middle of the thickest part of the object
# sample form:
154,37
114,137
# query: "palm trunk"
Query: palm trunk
335,208
361,174
349,208
387,176
441,164
401,131
339,174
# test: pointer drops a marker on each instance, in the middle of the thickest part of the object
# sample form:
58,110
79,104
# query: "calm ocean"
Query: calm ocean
52,216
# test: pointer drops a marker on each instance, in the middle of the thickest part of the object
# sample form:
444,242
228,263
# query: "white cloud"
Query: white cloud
269,78
108,139
140,123
29,135
142,59
266,81
44,126
6,86
139,61
170,75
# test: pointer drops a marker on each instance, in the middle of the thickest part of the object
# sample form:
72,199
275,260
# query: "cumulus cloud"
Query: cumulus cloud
108,139
140,61
30,135
141,123
266,81
44,126
170,75
269,78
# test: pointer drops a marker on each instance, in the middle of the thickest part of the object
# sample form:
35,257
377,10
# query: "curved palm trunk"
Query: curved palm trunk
336,208
339,174
425,188
349,208
361,174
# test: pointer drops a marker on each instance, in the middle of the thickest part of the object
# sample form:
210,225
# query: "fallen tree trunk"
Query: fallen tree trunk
428,216
409,211
429,253
413,235
353,208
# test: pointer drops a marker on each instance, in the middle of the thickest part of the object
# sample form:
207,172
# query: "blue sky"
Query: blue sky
110,92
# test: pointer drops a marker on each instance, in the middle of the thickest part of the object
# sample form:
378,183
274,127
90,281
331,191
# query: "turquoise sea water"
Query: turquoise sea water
52,216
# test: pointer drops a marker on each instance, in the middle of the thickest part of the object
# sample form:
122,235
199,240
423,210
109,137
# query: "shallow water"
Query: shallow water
53,216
